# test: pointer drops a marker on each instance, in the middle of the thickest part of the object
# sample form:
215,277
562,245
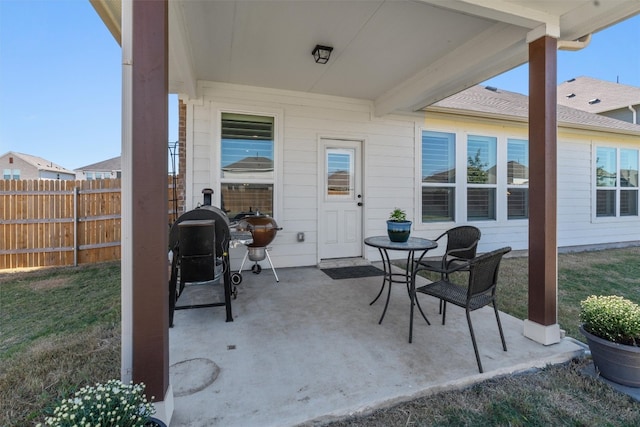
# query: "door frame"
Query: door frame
321,147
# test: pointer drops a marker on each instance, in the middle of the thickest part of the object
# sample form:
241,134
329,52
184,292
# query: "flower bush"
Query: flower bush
612,318
110,404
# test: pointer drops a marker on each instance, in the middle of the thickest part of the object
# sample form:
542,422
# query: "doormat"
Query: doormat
354,272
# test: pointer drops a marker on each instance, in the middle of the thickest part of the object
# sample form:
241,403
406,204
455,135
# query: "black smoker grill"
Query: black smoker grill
199,243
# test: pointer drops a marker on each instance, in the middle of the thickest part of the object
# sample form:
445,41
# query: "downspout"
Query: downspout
574,45
634,116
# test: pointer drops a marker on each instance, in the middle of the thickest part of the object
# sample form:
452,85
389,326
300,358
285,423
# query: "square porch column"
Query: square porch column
145,288
542,326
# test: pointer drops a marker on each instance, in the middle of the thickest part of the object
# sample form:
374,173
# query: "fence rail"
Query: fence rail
57,222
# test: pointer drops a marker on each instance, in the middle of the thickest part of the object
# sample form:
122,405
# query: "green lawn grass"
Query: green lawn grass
60,330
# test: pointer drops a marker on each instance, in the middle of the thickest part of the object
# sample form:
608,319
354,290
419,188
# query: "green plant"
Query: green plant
110,404
612,318
398,214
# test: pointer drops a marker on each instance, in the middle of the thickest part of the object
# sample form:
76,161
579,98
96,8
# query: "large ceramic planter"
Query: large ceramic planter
616,362
398,231
154,422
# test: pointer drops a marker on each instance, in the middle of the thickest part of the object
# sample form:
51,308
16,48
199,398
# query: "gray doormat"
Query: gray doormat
353,272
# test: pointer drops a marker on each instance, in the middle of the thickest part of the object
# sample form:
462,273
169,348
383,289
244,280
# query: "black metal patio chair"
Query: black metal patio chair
462,244
479,292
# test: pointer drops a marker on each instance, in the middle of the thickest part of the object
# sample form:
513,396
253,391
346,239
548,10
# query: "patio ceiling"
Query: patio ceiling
402,55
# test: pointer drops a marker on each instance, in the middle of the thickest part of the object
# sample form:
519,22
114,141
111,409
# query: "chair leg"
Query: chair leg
473,339
443,304
424,316
504,343
443,276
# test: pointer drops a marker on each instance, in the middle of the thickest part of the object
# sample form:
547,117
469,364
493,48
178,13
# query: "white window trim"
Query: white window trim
594,186
216,150
503,175
461,185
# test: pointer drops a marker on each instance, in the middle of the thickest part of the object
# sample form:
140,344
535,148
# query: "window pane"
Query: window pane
339,173
7,174
247,146
481,159
239,199
606,167
628,168
481,203
517,203
16,174
517,162
628,202
605,203
438,204
438,157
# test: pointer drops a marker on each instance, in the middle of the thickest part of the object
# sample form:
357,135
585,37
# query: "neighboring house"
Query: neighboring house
107,169
609,99
25,166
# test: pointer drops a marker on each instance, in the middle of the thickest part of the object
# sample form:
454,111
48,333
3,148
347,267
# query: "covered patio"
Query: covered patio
391,60
309,349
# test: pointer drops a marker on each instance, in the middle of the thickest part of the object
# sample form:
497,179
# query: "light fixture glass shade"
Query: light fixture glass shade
321,54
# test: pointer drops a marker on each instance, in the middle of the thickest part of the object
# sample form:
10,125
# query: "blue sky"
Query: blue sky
60,78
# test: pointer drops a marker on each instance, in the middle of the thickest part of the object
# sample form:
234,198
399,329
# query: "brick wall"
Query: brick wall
182,157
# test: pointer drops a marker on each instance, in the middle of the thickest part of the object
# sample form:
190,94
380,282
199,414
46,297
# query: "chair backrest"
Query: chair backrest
464,236
483,271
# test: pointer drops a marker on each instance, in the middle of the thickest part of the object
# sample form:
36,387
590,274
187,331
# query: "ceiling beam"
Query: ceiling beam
596,16
450,73
501,11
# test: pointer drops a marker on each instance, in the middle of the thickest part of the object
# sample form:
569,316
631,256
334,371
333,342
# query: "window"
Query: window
517,179
247,171
616,182
481,177
11,174
339,175
438,176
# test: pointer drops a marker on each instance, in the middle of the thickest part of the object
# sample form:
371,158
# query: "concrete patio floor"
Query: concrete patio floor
309,349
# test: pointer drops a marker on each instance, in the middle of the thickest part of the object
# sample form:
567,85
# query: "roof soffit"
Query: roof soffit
402,55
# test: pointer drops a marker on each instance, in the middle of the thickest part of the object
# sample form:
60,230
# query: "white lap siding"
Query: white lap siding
391,169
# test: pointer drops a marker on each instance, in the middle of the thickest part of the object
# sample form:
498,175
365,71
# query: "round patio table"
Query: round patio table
411,246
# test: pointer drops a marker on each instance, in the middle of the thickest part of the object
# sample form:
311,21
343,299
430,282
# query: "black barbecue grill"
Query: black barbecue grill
199,243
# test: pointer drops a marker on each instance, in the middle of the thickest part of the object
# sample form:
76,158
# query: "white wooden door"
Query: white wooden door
340,232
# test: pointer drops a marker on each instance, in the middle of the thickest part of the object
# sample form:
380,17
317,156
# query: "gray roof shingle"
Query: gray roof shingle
40,163
605,96
492,102
109,165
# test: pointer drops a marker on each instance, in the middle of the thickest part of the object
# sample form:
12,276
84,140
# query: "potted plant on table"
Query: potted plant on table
398,226
611,325
110,404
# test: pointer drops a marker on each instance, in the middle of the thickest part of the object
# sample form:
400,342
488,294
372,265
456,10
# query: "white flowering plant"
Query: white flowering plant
612,318
109,404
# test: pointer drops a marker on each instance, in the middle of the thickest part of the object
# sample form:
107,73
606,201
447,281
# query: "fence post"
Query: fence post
75,226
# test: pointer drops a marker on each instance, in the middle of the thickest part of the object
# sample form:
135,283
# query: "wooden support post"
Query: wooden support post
543,273
145,284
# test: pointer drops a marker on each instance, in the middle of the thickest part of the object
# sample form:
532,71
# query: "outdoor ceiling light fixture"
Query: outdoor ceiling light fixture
321,54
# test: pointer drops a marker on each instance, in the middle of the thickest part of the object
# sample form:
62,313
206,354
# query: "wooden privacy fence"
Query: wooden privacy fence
57,222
